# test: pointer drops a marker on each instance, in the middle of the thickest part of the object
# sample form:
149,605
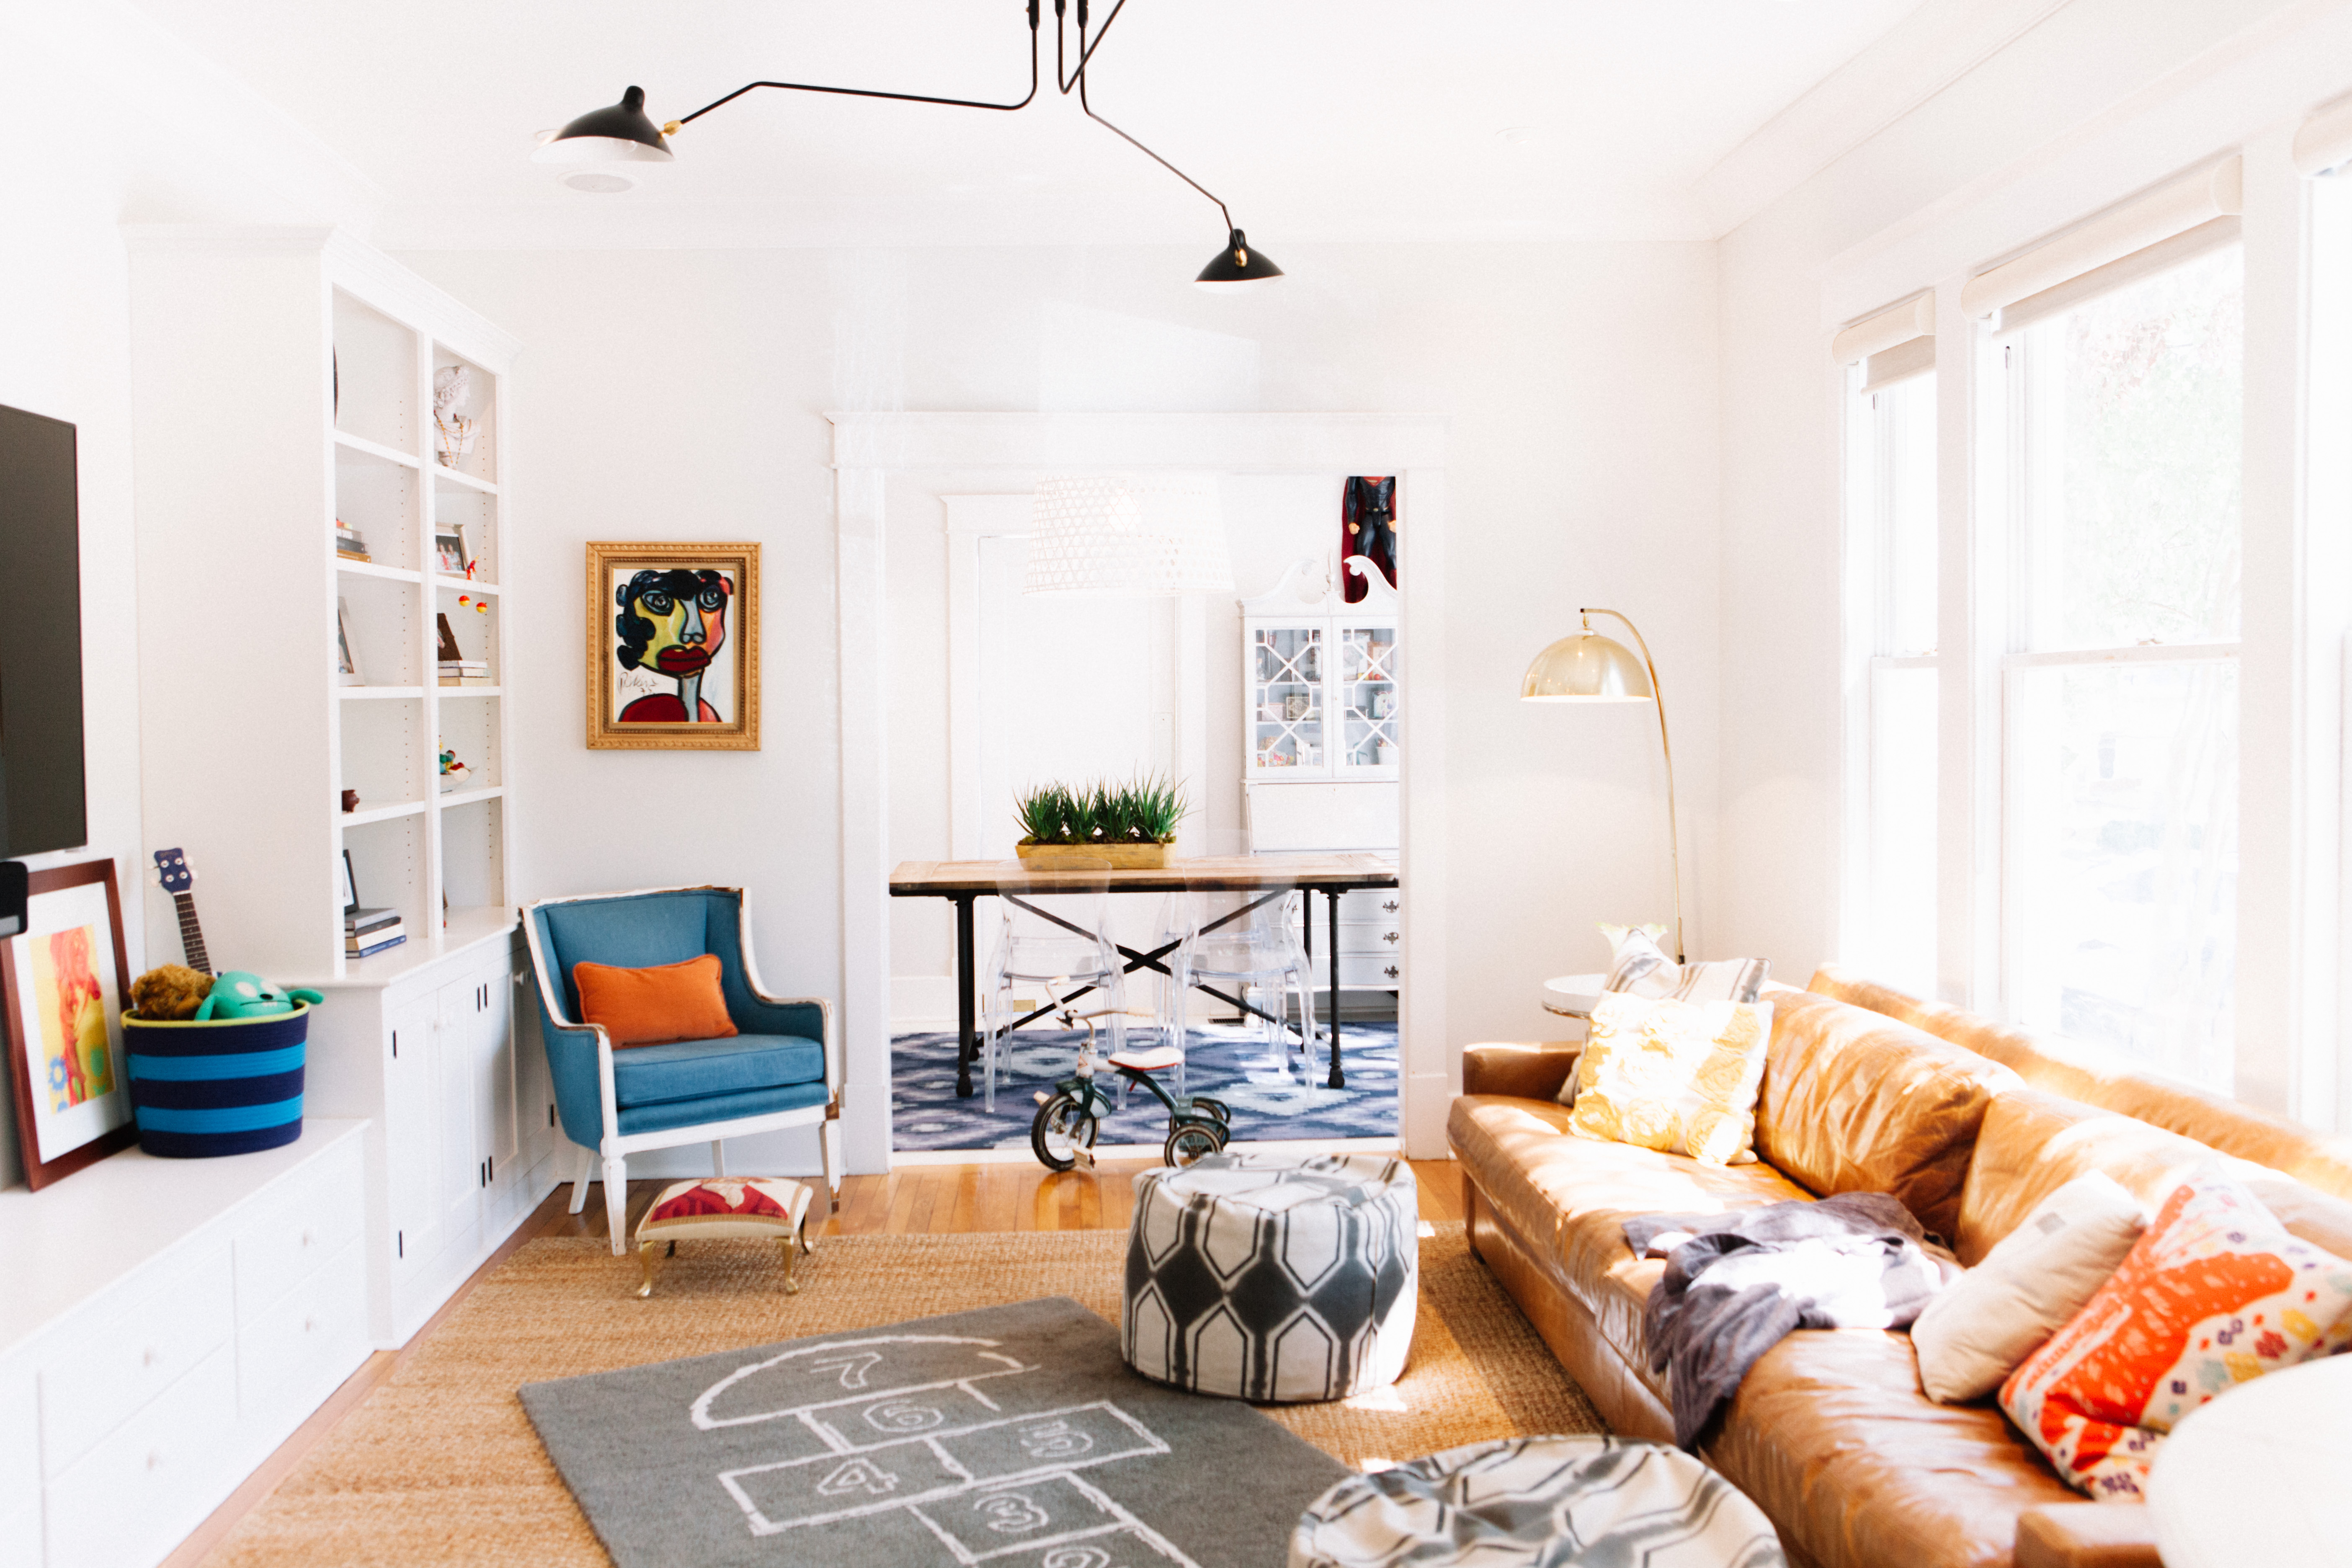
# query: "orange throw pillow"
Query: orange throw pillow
654,1006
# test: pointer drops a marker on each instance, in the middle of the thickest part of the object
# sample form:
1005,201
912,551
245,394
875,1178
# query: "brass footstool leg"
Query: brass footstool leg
791,1250
645,1267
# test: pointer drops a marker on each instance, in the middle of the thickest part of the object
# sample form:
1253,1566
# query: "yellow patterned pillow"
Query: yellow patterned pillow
1678,1077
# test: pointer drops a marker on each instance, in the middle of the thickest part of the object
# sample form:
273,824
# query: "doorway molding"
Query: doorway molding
1007,453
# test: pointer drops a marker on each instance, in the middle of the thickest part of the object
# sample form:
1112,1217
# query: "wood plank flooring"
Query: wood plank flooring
919,1200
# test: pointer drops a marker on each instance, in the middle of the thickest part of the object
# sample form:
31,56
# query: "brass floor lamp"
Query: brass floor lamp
1586,667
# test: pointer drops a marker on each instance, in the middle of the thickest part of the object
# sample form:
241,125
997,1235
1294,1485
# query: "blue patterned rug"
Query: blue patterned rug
1226,1062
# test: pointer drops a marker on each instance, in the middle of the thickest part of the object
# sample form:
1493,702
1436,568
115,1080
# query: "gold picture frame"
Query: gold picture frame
651,609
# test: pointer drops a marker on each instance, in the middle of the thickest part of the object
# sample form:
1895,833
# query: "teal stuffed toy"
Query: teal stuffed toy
240,995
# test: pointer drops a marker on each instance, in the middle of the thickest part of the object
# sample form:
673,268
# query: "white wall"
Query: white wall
680,395
2100,100
134,130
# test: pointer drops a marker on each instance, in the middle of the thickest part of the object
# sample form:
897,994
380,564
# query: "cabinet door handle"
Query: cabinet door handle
1390,972
1391,906
1390,936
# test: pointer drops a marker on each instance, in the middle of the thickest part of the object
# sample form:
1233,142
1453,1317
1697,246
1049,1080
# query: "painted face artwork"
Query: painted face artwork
672,623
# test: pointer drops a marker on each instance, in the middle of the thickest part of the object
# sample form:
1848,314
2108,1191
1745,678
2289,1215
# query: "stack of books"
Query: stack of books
367,931
347,543
466,672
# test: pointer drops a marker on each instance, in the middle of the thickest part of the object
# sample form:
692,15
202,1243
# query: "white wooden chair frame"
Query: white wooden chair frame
616,1147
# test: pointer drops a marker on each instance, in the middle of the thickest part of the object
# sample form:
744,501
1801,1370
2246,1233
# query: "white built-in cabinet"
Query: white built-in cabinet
1322,716
283,380
167,1325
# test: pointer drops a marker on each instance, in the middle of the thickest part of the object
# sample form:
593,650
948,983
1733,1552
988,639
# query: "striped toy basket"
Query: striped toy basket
222,1086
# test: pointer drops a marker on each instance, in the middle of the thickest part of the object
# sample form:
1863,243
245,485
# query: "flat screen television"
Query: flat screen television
43,803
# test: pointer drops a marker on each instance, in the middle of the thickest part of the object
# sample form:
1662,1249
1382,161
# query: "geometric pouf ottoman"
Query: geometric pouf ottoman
1538,1501
1273,1277
721,1208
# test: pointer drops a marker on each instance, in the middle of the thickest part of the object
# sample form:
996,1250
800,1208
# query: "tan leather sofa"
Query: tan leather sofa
1830,1432
2085,1073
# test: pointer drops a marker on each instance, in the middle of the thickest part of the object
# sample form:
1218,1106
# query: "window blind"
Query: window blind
2191,202
2160,257
1900,363
2324,145
1889,329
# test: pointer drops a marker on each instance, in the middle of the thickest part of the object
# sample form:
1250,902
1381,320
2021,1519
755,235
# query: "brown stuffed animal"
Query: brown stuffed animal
172,992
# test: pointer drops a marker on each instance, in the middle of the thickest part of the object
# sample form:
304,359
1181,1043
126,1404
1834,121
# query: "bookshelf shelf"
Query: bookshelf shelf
446,583
350,445
370,569
383,812
378,693
458,693
463,480
469,797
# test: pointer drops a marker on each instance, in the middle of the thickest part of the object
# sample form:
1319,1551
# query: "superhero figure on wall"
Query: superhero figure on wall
1367,527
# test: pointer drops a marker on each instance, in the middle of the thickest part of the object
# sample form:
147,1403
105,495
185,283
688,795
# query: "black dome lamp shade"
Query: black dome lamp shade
617,133
1236,266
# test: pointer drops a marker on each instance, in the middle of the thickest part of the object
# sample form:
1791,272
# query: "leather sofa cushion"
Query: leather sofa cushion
696,1069
1831,1436
1855,1102
1534,1070
2033,1143
1569,1197
2072,1070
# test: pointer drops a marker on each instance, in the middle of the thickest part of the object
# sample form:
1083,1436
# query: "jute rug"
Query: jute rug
440,1464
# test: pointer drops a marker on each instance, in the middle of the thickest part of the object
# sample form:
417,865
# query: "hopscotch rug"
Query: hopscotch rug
1012,1435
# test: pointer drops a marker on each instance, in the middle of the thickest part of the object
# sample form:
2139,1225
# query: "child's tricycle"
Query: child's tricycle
1067,1119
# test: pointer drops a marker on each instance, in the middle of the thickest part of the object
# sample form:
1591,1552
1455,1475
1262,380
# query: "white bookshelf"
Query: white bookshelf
284,380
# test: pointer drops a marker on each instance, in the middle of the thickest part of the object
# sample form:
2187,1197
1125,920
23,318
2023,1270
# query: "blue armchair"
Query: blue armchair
783,1070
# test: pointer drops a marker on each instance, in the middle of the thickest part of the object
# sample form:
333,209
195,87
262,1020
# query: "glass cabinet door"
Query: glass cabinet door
1287,699
1368,699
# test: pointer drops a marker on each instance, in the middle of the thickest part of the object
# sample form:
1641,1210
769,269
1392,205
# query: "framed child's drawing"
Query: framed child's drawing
62,993
674,647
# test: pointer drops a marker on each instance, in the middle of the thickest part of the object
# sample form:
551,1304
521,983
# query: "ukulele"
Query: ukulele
172,870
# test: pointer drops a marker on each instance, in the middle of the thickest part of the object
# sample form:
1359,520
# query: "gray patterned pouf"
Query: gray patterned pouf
1273,1277
1538,1502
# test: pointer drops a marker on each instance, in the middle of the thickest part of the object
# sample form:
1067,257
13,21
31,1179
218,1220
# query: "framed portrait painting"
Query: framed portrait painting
62,993
674,647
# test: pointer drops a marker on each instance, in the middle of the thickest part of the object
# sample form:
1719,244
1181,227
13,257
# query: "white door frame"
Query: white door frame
1007,453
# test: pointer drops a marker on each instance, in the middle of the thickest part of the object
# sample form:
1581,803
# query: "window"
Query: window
1891,481
2119,816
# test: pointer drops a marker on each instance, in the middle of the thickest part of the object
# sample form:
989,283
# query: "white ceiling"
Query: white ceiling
1315,119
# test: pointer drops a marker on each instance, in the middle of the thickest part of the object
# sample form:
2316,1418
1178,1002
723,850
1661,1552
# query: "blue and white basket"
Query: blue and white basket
219,1086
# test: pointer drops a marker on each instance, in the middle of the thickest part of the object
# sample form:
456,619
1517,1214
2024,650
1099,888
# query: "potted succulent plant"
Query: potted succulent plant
1128,826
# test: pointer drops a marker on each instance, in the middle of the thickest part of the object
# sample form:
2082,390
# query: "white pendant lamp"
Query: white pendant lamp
1142,535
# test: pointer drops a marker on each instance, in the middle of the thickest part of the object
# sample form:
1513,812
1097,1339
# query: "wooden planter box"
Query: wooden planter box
1119,857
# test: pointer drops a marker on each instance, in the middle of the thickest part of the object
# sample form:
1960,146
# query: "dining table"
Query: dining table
965,882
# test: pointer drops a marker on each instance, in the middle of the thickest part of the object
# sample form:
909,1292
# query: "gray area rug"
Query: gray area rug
1011,1436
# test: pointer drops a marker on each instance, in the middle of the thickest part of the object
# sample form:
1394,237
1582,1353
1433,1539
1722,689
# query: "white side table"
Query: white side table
1573,995
2258,1477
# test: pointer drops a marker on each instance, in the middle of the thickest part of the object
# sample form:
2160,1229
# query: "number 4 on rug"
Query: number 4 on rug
857,1476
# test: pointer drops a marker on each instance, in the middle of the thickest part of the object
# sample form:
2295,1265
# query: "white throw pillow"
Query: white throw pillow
1639,967
1978,1330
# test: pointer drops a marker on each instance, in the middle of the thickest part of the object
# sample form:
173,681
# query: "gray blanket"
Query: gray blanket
1736,1283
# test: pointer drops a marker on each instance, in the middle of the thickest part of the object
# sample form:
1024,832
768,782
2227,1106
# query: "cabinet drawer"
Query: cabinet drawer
293,1236
1384,904
91,1382
20,1449
307,1340
1377,972
134,1496
1369,941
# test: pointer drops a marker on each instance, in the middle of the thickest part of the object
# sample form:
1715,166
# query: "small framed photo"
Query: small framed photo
63,991
447,636
674,647
347,664
453,553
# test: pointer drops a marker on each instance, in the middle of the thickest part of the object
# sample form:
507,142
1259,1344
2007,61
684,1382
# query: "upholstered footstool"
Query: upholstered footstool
1538,1501
1273,1277
727,1209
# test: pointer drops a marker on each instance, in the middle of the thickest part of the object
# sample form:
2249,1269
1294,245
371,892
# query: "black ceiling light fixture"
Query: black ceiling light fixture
624,132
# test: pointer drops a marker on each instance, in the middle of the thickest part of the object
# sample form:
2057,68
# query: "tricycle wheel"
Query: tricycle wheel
1216,1108
1193,1141
1062,1130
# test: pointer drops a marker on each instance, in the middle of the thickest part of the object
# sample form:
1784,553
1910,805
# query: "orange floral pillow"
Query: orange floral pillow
2214,1293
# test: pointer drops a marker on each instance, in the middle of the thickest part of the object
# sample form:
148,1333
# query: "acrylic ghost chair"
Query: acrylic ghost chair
1237,943
782,1069
1054,943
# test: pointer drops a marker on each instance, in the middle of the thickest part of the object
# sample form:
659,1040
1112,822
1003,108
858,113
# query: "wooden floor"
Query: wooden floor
922,1200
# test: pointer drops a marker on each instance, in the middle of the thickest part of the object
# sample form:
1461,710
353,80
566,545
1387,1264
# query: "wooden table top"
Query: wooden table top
1204,874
